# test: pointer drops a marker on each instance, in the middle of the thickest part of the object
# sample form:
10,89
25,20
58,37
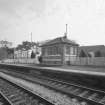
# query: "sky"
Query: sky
46,20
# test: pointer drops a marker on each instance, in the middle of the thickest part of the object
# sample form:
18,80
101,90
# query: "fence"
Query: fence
96,61
23,61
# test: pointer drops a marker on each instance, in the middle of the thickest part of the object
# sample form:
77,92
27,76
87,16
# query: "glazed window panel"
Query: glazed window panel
53,50
75,51
67,50
57,49
49,51
71,50
43,51
46,51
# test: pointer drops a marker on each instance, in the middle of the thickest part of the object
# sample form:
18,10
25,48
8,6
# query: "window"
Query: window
67,50
75,51
71,50
57,50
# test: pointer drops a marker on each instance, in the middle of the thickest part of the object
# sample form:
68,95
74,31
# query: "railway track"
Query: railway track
84,95
4,100
89,95
15,95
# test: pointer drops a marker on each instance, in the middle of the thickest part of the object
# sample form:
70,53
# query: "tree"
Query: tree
82,54
6,52
32,54
98,54
3,53
19,47
10,50
25,45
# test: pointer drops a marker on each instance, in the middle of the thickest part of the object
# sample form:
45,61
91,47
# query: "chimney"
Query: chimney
65,34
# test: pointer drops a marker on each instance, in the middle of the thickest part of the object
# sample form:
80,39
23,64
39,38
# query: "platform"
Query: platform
93,70
87,76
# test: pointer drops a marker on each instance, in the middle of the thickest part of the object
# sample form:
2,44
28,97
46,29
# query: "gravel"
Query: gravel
53,96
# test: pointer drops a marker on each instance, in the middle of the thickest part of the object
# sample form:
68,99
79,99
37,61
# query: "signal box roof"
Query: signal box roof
60,40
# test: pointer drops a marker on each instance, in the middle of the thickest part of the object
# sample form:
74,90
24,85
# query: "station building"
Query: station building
59,51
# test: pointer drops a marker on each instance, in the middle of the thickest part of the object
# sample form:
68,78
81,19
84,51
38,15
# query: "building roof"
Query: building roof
92,48
4,43
60,40
43,42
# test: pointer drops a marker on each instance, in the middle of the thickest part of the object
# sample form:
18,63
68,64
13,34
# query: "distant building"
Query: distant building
5,44
92,51
6,51
59,51
25,54
18,54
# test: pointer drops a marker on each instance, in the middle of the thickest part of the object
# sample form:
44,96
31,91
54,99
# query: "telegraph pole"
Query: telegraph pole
66,29
31,37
